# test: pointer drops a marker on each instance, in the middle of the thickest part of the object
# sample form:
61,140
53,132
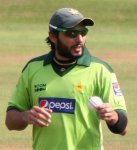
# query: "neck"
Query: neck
64,62
61,58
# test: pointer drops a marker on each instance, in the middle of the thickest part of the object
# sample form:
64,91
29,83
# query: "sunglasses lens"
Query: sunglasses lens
84,32
74,33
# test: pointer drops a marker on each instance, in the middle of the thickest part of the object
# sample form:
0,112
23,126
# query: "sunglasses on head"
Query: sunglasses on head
72,33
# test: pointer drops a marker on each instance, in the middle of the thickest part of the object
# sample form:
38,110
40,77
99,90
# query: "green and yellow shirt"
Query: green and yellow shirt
74,125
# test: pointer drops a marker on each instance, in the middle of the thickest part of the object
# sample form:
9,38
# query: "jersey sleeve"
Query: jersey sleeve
20,98
111,91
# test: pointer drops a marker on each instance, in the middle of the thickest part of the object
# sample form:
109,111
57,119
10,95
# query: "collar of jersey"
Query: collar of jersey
83,61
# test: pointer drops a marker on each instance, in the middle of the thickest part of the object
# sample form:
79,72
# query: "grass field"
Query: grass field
23,28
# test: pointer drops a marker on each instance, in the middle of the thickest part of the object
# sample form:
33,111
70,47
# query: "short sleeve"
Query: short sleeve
20,98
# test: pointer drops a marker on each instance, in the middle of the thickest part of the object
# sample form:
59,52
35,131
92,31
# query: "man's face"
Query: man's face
68,47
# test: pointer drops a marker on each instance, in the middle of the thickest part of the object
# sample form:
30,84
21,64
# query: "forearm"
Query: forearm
15,120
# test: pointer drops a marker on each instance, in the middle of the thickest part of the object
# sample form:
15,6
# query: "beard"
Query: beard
66,52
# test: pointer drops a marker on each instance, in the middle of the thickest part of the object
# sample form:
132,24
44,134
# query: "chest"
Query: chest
80,82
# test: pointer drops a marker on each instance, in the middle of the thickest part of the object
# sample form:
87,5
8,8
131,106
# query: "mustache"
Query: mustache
78,44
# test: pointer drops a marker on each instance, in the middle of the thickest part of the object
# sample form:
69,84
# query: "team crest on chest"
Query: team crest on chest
79,87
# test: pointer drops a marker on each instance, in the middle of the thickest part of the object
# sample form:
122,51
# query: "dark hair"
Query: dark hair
49,42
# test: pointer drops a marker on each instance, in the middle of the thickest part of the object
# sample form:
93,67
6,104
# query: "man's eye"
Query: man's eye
72,33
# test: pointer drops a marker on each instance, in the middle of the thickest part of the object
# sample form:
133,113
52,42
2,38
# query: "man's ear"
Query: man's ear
52,37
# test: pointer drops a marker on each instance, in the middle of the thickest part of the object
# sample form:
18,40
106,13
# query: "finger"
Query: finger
106,117
41,123
37,121
49,110
45,112
43,118
105,110
40,116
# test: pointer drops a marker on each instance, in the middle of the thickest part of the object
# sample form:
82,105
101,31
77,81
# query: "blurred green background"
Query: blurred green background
23,29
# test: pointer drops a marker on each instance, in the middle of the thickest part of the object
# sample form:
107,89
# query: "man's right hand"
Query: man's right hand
38,116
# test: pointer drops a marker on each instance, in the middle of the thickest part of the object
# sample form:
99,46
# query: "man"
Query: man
53,91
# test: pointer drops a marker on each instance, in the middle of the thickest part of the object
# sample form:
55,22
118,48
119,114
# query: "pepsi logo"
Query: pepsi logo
43,103
61,105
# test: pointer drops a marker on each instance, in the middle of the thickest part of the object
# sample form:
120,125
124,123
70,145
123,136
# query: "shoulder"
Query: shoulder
98,63
89,60
35,60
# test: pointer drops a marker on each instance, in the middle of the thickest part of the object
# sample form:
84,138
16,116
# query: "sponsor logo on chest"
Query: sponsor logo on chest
61,105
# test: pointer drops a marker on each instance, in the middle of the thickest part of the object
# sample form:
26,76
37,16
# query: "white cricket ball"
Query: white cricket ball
94,102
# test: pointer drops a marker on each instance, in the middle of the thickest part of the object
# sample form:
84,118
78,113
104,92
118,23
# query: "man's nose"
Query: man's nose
79,38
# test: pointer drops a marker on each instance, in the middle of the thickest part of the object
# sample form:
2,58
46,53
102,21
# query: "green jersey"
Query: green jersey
74,125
